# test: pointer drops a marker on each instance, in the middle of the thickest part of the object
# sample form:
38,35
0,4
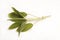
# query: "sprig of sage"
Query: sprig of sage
20,23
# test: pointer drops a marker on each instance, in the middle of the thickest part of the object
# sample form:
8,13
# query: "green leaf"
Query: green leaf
13,15
26,27
18,19
23,14
17,12
14,25
20,28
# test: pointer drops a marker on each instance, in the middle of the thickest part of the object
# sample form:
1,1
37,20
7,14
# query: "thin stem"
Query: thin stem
37,19
32,15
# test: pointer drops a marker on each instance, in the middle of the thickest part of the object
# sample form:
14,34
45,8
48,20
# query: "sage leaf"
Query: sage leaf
13,15
23,14
17,12
18,19
14,25
27,27
18,30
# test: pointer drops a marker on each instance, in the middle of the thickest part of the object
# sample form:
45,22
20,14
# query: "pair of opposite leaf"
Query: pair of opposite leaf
20,23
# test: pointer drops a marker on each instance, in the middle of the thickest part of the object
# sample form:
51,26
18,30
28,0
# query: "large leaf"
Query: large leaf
21,14
17,12
26,27
13,15
14,25
18,19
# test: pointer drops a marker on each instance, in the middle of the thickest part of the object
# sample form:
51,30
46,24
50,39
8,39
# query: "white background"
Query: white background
48,29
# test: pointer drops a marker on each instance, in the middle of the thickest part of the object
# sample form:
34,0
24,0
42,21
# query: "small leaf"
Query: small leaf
18,19
20,28
23,14
27,27
13,15
14,25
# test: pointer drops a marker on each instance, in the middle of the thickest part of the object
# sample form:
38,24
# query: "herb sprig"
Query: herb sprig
19,21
